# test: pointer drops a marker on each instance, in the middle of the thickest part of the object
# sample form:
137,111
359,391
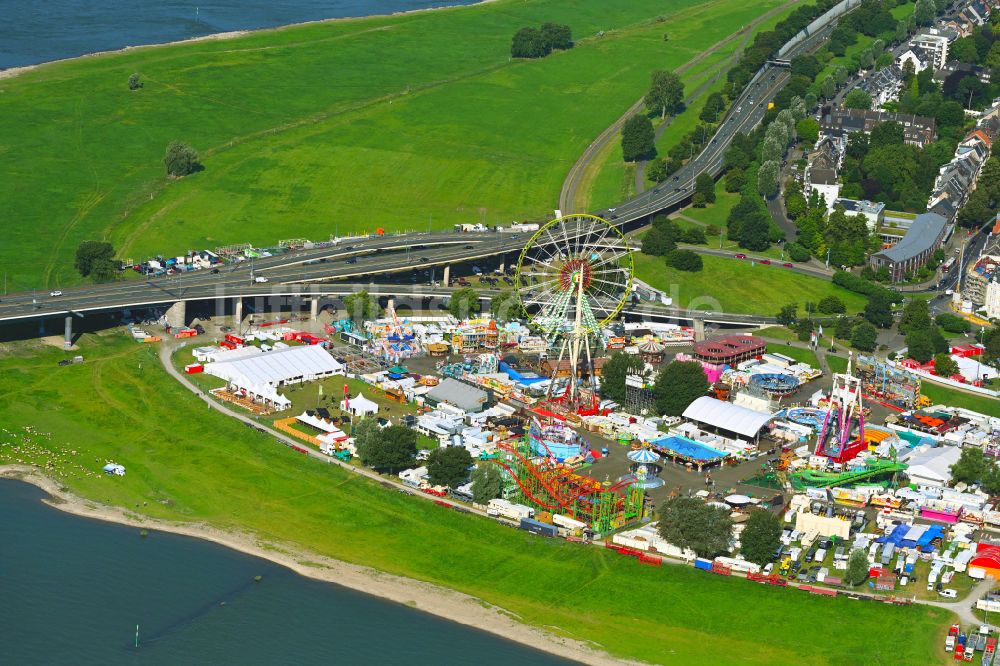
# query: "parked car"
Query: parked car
787,265
766,261
740,256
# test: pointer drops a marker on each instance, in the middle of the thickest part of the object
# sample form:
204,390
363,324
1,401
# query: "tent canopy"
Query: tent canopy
361,405
276,367
727,416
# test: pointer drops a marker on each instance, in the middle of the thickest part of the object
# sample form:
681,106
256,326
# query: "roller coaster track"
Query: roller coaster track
827,480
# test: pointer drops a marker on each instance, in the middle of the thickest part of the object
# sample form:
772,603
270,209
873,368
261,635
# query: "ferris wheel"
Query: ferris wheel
574,273
573,277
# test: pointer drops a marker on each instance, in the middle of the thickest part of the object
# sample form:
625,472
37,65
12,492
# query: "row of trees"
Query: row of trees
531,42
464,303
677,384
394,448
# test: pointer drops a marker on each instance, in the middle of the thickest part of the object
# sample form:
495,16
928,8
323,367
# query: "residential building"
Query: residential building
883,85
915,60
917,130
992,304
933,46
872,211
978,278
957,178
908,255
823,182
961,69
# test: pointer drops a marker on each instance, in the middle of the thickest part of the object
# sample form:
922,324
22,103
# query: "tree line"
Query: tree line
529,42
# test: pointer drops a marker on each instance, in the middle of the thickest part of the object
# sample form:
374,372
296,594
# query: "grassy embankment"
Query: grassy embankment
397,122
800,354
187,463
943,395
739,286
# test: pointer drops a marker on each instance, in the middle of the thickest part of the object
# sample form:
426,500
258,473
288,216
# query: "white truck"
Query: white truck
502,508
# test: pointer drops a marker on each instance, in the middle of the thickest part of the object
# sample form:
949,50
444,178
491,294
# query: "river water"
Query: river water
72,591
34,32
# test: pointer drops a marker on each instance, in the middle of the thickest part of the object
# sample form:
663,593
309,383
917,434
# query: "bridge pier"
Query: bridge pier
446,280
238,312
177,314
313,308
699,329
68,332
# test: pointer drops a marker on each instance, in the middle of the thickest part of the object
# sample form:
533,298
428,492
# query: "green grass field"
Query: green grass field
801,355
188,463
397,122
949,396
738,286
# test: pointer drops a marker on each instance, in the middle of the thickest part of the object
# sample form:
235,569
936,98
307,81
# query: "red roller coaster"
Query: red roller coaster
549,485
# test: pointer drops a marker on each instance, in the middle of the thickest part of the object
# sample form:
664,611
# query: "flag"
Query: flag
821,330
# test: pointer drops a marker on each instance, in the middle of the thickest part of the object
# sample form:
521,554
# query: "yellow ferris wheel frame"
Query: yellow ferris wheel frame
597,219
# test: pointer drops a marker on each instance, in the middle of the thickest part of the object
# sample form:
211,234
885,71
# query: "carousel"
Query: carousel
652,351
644,468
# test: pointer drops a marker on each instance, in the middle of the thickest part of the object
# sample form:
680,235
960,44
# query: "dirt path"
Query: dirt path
582,170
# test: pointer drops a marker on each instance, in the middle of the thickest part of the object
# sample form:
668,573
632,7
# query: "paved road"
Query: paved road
568,194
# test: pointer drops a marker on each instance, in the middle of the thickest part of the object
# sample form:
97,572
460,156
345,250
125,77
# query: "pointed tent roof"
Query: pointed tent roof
652,347
363,404
643,456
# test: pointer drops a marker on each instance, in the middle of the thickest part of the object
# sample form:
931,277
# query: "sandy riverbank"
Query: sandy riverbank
426,597
16,71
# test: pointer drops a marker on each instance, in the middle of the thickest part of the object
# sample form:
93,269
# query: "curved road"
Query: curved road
568,194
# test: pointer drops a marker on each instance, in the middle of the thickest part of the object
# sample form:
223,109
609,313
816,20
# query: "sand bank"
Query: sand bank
426,597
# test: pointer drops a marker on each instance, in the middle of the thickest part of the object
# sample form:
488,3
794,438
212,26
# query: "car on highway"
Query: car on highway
260,278
468,247
740,256
787,265
55,293
424,259
349,247
766,262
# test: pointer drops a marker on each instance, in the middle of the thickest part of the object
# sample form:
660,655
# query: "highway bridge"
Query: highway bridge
361,259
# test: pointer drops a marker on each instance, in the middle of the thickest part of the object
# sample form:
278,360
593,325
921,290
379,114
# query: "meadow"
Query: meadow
739,286
402,122
187,463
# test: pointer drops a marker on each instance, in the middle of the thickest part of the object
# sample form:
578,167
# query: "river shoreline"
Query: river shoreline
426,597
11,72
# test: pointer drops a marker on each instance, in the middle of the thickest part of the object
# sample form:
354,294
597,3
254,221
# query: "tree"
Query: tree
705,185
134,82
448,466
952,323
761,537
991,341
695,235
688,522
486,483
735,180
924,12
788,314
844,327
104,270
857,568
858,99
971,465
807,130
638,138
828,88
684,260
797,252
920,346
386,449
666,93
557,36
714,105
361,307
464,303
529,43
878,310
614,371
181,160
889,133
755,233
767,179
657,242
507,306
89,254
656,170
678,385
864,337
945,365
831,305
916,317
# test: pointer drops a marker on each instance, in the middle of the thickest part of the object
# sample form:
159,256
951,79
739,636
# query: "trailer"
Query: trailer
703,564
536,527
